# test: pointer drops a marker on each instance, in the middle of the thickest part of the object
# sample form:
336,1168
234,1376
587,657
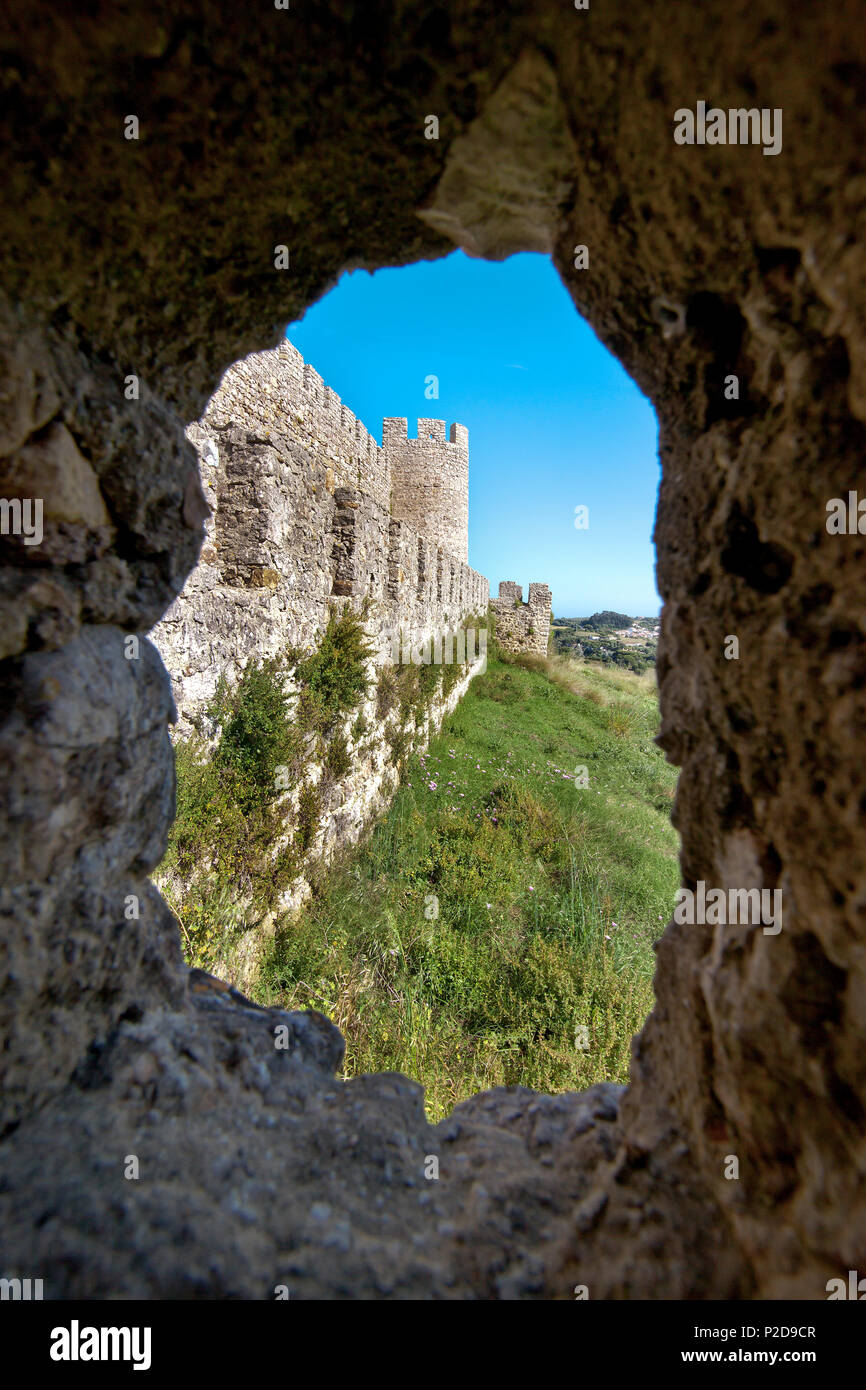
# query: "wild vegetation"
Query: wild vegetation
229,855
598,638
247,814
497,926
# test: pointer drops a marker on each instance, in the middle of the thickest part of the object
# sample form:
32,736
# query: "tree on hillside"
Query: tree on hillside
607,619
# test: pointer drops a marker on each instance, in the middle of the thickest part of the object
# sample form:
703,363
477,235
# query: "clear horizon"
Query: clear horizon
554,421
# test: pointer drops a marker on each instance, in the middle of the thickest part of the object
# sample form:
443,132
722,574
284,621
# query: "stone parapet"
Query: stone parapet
523,627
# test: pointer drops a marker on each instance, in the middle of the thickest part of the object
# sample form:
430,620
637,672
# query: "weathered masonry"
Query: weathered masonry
307,510
430,481
523,627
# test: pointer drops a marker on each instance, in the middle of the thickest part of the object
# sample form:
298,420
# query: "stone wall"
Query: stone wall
289,536
290,532
278,394
523,627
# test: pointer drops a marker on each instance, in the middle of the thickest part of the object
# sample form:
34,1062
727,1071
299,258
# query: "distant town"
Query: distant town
612,638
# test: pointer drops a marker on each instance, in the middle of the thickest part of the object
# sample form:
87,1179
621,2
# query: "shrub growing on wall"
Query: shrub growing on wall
221,846
230,811
258,737
334,677
229,816
386,691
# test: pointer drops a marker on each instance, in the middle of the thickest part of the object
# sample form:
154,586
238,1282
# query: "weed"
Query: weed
228,840
337,760
386,691
309,814
335,675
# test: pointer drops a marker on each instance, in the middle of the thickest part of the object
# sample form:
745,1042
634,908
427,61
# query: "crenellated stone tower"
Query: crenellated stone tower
430,481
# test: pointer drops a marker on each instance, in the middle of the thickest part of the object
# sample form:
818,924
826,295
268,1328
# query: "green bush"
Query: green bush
309,815
416,687
229,817
337,760
334,677
451,674
220,850
258,736
386,691
398,740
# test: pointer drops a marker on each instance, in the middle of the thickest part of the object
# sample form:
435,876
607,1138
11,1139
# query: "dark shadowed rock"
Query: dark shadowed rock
154,258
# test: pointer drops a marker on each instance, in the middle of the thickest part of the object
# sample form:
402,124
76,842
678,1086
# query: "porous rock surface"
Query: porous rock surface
155,258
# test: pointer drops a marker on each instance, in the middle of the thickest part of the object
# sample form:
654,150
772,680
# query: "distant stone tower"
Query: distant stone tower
430,482
523,627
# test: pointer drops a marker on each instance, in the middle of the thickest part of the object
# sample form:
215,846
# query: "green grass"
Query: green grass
498,909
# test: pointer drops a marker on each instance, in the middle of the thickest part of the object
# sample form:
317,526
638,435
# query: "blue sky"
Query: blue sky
554,421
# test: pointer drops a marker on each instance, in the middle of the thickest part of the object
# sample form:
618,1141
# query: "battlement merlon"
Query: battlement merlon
431,429
314,383
510,592
523,627
540,595
394,431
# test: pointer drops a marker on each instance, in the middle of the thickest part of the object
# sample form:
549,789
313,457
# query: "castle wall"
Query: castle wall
291,532
523,627
430,481
283,395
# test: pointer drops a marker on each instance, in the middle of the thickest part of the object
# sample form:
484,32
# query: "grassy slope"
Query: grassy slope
498,908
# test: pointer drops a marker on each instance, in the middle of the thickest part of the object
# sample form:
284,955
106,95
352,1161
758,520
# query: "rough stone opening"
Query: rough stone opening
281,445
753,1047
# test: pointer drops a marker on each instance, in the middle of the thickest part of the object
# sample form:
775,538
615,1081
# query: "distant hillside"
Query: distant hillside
607,619
609,637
